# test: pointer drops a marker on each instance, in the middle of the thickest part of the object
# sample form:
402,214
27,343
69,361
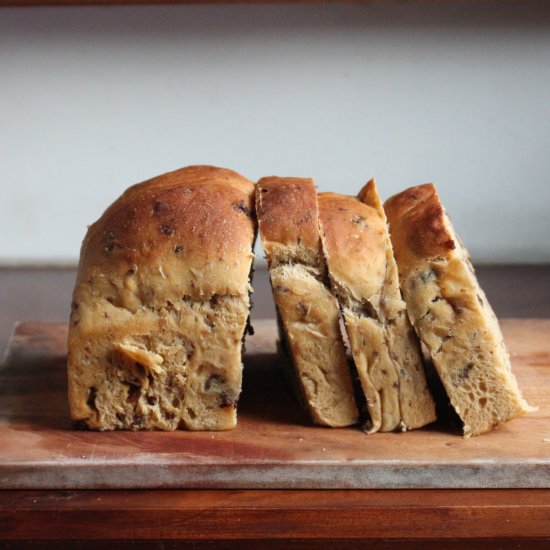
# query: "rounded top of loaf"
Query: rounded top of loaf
418,225
187,233
354,240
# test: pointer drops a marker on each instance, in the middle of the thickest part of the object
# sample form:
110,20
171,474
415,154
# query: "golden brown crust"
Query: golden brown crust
289,227
419,210
198,219
353,235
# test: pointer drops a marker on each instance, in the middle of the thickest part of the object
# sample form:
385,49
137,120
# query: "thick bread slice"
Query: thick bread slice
308,313
355,243
415,400
161,304
451,313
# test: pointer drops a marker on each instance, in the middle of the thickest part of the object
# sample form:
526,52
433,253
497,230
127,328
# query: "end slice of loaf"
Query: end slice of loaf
308,313
161,304
450,312
386,353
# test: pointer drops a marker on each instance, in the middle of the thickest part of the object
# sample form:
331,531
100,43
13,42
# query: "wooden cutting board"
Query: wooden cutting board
274,445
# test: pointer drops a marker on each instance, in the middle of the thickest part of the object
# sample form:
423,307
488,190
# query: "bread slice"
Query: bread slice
451,313
161,304
415,400
363,277
308,313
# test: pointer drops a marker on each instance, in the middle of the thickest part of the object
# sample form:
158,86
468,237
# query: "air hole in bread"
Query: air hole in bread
92,394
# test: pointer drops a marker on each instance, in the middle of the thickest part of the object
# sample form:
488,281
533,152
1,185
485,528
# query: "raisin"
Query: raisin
308,216
241,207
159,206
137,421
465,372
167,229
111,242
151,400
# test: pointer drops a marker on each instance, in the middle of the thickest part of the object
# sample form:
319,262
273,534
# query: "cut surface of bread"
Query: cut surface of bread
450,312
384,348
308,313
161,304
416,404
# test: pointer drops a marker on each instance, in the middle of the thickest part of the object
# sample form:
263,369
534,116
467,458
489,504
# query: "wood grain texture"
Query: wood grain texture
261,515
274,446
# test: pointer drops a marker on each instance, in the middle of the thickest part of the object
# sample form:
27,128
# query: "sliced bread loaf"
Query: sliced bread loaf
308,313
386,354
161,304
450,312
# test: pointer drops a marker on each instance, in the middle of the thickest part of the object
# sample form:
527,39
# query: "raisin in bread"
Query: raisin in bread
356,247
451,313
308,313
161,304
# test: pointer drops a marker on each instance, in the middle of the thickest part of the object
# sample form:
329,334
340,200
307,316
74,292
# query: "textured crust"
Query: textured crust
289,220
190,222
355,242
451,313
416,403
161,304
308,313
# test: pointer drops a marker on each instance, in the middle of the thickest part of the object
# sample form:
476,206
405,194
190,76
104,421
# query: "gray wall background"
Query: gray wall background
95,99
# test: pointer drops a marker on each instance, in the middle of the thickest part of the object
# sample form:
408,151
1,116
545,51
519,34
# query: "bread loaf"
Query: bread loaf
451,313
363,277
161,304
308,313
